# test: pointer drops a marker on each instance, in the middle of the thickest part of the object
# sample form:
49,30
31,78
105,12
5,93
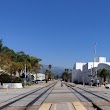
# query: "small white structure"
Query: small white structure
85,72
12,85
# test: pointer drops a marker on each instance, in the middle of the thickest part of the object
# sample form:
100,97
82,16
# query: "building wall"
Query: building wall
83,72
78,66
100,59
75,75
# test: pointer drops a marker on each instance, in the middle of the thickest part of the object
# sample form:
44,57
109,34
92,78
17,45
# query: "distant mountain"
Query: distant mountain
55,70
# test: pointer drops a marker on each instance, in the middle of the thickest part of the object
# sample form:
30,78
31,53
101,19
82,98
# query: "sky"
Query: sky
60,32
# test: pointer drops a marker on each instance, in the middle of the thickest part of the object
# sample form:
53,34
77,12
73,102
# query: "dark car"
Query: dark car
38,81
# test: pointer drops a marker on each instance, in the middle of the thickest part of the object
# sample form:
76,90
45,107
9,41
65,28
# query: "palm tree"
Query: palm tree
46,75
65,76
35,66
14,68
5,62
1,45
50,73
12,62
49,66
70,75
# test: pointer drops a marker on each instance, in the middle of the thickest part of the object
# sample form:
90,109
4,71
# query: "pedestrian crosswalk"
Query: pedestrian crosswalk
63,106
45,106
78,106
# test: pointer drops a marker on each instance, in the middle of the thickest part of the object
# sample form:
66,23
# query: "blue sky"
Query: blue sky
60,32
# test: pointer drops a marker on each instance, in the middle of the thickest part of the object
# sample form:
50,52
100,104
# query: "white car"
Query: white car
107,86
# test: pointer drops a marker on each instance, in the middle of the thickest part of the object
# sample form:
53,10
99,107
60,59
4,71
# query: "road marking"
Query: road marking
69,105
78,106
55,106
45,106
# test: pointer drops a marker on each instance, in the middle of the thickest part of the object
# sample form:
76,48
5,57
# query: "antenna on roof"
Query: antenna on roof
94,53
94,58
95,49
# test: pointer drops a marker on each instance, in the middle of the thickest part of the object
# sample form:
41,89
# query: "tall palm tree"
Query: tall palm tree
50,73
35,63
49,66
1,45
46,75
65,75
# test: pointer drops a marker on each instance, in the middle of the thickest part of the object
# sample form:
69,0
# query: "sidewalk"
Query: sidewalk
94,88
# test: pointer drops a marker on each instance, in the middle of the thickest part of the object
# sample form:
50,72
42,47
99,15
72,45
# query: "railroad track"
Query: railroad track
98,102
100,93
32,97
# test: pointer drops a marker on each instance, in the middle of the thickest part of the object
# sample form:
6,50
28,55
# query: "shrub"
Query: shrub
5,78
16,80
28,83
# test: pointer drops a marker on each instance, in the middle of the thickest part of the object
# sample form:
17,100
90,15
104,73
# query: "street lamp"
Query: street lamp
25,74
25,71
91,76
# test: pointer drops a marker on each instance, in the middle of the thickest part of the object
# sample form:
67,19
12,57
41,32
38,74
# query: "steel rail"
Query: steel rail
32,102
25,95
94,105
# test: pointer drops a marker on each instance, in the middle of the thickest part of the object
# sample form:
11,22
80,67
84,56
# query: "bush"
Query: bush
28,83
17,80
5,78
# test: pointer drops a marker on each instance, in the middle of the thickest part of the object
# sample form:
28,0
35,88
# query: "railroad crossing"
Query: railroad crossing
52,96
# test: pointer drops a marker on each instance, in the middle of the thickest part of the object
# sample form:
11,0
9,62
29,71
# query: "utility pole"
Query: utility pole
25,71
25,74
94,53
91,76
83,75
94,57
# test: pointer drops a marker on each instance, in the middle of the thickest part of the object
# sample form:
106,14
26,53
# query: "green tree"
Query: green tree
65,75
1,45
5,62
46,75
14,68
35,66
50,75
103,74
11,62
57,76
49,66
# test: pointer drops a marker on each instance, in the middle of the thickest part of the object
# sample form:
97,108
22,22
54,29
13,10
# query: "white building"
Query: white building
77,69
85,72
38,76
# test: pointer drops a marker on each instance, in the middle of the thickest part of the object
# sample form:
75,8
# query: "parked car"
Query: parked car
37,81
107,86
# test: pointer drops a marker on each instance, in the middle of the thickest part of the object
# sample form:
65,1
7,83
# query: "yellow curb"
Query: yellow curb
78,106
45,106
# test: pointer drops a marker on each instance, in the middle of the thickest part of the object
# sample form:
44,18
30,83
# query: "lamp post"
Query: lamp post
25,74
94,60
25,71
91,76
